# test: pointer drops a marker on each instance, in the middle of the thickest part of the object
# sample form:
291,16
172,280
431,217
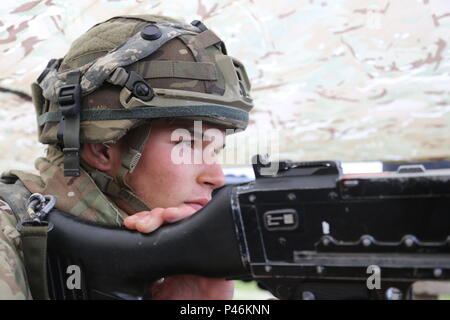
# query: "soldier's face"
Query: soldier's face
178,165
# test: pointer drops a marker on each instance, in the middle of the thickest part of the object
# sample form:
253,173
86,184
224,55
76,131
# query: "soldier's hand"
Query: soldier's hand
179,287
191,287
148,221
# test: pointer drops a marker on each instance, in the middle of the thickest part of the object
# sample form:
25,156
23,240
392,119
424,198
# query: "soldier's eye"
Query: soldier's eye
219,150
187,143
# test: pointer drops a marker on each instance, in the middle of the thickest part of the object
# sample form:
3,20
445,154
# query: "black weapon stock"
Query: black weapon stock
307,231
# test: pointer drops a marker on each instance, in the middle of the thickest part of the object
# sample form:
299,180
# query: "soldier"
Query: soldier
108,111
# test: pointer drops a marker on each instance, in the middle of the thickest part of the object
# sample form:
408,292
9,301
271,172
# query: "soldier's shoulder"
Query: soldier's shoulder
13,195
13,283
12,203
5,208
8,222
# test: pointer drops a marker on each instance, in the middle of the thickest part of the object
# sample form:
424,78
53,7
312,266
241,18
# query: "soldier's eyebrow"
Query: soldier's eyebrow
202,135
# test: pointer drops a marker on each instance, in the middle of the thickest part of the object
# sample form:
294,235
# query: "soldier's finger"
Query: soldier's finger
149,223
177,213
130,222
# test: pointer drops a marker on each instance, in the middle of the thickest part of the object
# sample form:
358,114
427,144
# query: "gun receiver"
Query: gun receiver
307,231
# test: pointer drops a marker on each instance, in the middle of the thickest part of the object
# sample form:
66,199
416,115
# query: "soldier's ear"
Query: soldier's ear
102,156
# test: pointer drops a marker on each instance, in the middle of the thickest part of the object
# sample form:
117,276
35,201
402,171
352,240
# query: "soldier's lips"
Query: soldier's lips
197,204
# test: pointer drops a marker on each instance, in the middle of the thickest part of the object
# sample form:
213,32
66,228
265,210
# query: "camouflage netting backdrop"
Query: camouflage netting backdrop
351,80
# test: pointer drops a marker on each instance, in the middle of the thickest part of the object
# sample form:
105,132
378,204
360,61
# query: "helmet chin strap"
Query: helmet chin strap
118,188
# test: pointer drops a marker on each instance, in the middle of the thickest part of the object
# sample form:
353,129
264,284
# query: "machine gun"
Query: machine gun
305,232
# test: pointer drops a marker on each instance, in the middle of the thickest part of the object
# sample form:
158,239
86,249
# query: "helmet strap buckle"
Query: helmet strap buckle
69,100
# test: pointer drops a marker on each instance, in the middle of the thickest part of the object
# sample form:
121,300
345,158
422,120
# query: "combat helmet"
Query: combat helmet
127,70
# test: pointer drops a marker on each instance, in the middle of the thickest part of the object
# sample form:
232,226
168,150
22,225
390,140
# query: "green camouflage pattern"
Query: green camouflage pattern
96,72
132,51
348,80
13,281
102,49
78,196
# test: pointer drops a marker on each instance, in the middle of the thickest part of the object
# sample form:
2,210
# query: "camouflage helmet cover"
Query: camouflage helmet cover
188,72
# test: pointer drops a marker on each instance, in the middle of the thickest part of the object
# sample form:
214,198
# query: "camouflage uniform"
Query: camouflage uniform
13,282
78,195
207,83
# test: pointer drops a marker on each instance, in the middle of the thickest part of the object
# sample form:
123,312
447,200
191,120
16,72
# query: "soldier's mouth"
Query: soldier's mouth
197,204
194,205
